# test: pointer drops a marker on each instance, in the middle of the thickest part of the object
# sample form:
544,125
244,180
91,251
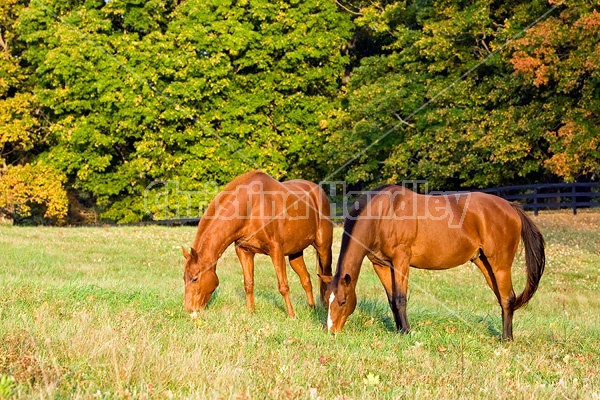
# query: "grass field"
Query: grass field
97,313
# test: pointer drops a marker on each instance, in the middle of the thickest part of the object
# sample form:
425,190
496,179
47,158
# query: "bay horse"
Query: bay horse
261,215
397,228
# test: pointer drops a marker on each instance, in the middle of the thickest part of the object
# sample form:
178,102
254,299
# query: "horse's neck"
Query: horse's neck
350,261
214,236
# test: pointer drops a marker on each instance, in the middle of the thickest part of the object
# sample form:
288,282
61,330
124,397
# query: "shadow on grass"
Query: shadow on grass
489,323
319,314
275,299
377,310
215,299
380,311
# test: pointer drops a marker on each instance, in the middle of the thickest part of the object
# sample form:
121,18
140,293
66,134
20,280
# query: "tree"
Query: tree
558,57
142,91
24,184
442,102
19,126
34,186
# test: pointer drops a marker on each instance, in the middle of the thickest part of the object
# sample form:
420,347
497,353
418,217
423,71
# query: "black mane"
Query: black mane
352,217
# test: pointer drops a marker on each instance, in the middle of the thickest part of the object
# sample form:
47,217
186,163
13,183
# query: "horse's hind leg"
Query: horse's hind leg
486,270
298,265
279,262
507,299
500,281
247,260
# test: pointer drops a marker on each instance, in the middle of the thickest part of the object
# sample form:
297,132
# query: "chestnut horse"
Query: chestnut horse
397,229
261,215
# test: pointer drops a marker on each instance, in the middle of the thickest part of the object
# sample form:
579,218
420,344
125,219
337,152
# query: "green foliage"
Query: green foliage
19,124
121,95
26,186
140,91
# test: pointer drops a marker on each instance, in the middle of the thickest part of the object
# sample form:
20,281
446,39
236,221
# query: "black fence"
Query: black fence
551,195
533,197
170,222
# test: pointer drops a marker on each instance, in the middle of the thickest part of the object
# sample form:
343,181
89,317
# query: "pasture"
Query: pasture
98,313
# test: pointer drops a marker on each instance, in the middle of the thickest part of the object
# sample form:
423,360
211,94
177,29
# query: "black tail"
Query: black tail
535,256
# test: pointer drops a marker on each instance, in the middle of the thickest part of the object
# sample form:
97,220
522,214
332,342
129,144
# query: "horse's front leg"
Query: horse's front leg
386,276
399,277
322,245
279,262
247,260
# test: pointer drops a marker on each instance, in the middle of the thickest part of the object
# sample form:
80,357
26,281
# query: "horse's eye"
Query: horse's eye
195,279
342,302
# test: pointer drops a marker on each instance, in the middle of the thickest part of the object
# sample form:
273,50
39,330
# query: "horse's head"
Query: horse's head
200,282
341,301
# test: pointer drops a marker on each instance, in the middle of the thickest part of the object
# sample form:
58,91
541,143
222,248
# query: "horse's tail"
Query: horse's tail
535,257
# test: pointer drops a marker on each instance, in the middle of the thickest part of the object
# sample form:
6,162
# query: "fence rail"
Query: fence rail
551,195
533,197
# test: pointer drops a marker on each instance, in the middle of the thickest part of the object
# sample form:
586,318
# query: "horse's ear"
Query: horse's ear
185,253
194,253
347,279
325,278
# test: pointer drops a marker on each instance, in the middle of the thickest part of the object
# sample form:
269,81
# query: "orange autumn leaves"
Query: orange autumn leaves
562,48
560,56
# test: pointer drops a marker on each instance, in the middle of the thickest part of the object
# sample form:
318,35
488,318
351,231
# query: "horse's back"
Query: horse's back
316,197
299,190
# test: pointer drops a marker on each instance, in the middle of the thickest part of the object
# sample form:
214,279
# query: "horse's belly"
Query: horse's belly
298,235
296,240
443,257
437,265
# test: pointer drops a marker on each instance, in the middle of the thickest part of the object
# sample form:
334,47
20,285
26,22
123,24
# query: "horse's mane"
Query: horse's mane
242,179
230,187
353,214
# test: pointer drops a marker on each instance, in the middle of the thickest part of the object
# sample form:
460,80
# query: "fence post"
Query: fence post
535,201
574,200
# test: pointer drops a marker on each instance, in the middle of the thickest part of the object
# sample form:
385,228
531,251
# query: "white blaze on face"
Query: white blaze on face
329,321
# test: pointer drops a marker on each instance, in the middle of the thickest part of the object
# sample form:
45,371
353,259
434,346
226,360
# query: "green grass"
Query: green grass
98,313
